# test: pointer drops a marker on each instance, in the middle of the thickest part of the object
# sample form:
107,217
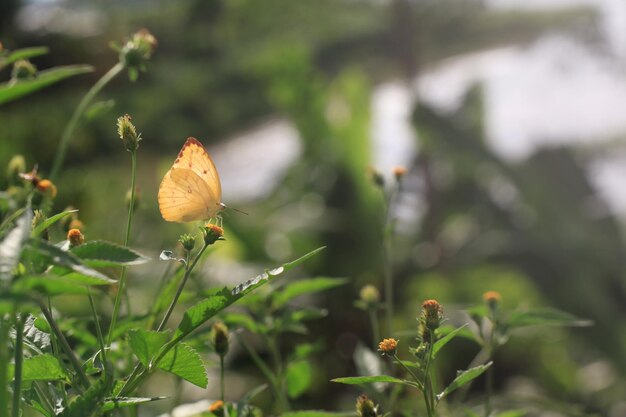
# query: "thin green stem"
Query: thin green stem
222,378
139,373
388,262
374,324
410,371
278,371
65,346
98,329
122,287
19,356
78,112
429,397
55,351
4,368
489,389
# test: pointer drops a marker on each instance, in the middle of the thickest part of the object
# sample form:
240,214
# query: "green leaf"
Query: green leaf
66,260
512,413
197,315
358,380
299,378
463,378
121,402
317,413
186,363
98,109
10,92
44,367
99,254
48,285
243,320
49,222
306,286
13,243
24,53
444,340
146,344
83,279
545,317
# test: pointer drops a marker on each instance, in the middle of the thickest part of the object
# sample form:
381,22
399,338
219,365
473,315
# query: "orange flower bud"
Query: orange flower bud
388,347
47,187
75,237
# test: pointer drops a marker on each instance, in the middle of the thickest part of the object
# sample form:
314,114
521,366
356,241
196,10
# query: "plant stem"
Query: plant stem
140,372
374,324
4,368
122,287
420,385
98,328
66,346
19,356
278,371
388,262
222,378
78,112
429,397
489,389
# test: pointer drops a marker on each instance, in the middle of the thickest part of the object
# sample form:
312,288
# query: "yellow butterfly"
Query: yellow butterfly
191,189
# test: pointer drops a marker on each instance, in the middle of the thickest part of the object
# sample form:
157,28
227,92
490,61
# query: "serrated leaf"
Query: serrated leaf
299,377
445,339
359,380
121,402
24,53
306,286
185,362
37,332
65,259
44,367
463,378
99,254
206,309
545,317
10,92
146,344
49,222
13,243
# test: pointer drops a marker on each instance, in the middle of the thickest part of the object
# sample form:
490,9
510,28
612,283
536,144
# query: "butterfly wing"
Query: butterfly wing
193,156
191,189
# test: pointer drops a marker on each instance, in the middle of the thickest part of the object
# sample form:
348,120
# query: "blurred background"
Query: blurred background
509,116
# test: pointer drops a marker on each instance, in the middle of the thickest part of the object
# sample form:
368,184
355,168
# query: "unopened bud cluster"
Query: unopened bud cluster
366,407
128,133
219,338
187,241
430,319
212,233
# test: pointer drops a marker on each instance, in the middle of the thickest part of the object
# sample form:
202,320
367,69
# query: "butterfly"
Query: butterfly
191,189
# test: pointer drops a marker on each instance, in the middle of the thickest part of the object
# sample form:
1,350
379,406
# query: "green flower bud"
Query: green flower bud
219,338
136,52
16,166
365,407
370,295
188,241
127,133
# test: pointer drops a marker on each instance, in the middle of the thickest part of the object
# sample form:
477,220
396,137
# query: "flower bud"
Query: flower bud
388,347
16,166
136,52
47,187
212,233
399,172
127,133
492,298
219,338
377,178
370,295
23,70
188,241
432,313
365,407
75,237
217,407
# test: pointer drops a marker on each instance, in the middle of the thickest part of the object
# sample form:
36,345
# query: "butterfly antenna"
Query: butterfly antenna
232,208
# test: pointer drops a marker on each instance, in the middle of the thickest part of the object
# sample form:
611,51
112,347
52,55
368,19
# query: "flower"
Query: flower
492,298
75,237
388,347
16,166
365,407
128,133
217,406
136,52
47,187
432,313
212,233
399,172
219,338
